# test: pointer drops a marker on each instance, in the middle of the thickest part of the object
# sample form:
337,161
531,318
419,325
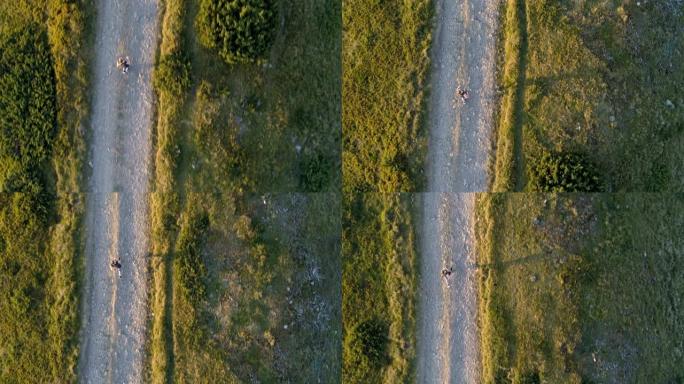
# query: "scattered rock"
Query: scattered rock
538,220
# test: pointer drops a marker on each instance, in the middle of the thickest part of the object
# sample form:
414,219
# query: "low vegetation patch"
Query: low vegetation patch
576,288
385,59
172,75
600,78
240,30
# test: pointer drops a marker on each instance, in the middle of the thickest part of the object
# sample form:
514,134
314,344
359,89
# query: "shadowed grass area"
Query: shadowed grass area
600,79
43,68
581,288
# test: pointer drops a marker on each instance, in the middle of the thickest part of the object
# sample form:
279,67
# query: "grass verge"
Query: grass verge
508,175
581,288
385,58
379,266
40,188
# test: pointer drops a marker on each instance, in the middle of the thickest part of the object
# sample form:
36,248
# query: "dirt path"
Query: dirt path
458,158
114,313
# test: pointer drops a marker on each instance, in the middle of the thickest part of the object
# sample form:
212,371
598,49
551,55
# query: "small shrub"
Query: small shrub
502,376
172,75
563,173
315,172
660,177
530,378
240,30
371,339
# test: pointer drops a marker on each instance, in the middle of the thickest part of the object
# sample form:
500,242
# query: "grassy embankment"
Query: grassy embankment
596,79
385,62
43,68
581,288
246,286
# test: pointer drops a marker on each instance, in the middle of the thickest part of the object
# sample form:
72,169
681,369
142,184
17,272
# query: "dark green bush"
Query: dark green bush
28,111
315,172
530,378
371,338
502,376
240,30
563,173
172,75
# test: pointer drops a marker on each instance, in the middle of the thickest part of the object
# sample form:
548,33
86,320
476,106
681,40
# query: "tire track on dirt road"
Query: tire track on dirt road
463,55
114,307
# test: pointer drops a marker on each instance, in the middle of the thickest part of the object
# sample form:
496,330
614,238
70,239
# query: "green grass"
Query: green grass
581,288
269,272
379,266
597,78
43,111
385,58
513,48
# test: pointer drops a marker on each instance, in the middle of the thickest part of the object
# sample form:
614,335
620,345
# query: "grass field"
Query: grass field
596,78
581,288
43,72
245,235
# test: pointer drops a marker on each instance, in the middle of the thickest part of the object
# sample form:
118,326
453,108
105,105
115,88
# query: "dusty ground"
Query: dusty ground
458,159
112,335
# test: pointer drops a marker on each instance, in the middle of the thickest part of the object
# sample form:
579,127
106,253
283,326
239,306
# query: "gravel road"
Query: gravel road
458,159
114,309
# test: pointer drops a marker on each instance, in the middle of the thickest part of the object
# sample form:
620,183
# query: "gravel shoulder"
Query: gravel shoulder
463,55
114,312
